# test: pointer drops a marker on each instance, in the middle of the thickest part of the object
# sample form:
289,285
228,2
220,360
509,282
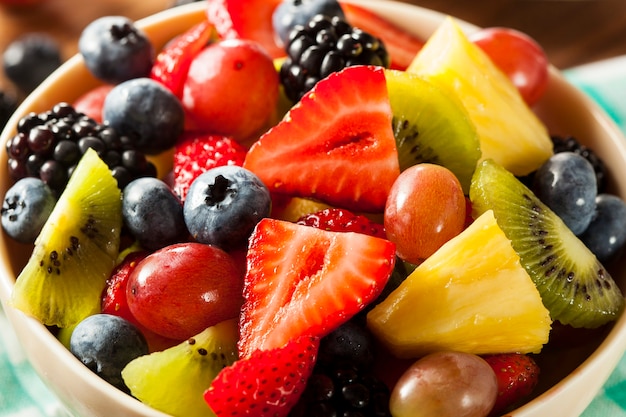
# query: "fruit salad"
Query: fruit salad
298,208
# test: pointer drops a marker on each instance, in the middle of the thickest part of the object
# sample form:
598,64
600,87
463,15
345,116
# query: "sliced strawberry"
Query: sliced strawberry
341,220
517,375
250,19
267,383
172,63
401,45
306,281
196,153
336,145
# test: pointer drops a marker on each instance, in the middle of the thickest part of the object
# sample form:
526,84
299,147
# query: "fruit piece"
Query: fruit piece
153,229
106,344
223,206
509,132
26,207
30,59
172,63
351,343
115,50
269,382
231,89
196,153
571,144
302,280
336,145
445,384
250,20
325,45
92,101
517,375
114,299
126,109
340,220
606,233
76,250
519,57
291,209
472,295
567,184
424,210
203,278
431,125
401,45
290,13
573,285
173,381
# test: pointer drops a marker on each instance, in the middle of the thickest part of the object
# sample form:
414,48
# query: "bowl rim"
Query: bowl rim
605,352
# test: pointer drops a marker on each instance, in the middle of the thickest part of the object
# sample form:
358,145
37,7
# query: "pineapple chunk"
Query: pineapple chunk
472,295
509,132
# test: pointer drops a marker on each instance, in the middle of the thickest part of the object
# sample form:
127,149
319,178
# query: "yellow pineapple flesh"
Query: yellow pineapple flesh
472,295
509,132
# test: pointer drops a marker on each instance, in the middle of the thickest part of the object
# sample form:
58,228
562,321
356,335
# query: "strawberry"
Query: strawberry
341,220
172,63
517,376
250,19
196,153
114,294
401,45
268,383
92,101
336,145
305,281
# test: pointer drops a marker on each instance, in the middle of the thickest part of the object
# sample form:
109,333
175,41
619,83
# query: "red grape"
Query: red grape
180,290
518,56
425,208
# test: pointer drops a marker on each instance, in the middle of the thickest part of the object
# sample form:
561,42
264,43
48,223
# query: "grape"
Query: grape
425,208
606,233
519,57
445,384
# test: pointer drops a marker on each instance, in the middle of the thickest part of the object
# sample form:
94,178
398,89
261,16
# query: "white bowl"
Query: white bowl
569,379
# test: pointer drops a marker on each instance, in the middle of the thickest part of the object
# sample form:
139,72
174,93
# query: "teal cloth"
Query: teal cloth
23,394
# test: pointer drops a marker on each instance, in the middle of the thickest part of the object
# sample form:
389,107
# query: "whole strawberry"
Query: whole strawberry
196,153
517,375
341,220
268,383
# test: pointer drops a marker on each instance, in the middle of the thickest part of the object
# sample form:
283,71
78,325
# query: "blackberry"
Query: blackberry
325,45
571,144
343,390
48,146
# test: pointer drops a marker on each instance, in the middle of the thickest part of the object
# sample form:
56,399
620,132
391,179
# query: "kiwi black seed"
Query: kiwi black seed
174,380
432,126
76,250
575,287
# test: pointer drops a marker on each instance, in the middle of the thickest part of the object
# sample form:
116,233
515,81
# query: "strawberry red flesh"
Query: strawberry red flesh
268,383
341,220
306,281
336,145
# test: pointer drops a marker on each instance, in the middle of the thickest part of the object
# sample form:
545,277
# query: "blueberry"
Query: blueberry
606,233
224,204
25,209
153,213
351,343
567,184
145,111
29,60
106,344
115,50
290,13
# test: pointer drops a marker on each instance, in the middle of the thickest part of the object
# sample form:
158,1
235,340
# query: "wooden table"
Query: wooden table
571,31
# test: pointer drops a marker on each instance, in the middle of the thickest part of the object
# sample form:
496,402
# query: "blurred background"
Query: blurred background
572,32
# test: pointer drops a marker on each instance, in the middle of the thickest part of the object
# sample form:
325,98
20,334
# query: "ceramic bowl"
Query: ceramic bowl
570,378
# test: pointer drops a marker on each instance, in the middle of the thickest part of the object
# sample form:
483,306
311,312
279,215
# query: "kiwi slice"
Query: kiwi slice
76,250
431,125
174,380
574,286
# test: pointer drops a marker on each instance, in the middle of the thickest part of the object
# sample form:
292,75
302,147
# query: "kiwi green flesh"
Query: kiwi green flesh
76,250
575,287
431,126
173,380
